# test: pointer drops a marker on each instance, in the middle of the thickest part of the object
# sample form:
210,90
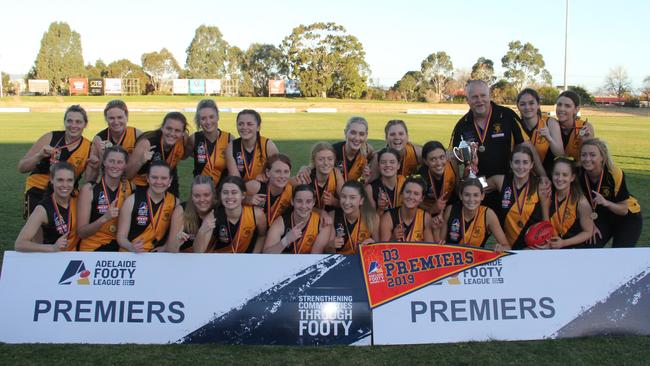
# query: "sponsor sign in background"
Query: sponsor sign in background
112,86
78,86
180,86
276,87
190,298
529,295
197,86
291,87
96,86
212,86
38,86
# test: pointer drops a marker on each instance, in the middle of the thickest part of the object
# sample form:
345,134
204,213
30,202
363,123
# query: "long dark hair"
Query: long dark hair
178,116
532,178
576,189
366,210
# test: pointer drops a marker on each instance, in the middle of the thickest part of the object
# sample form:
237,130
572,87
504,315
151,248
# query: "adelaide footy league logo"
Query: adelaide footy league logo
392,270
75,271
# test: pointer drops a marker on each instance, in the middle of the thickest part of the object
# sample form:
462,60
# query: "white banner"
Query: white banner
112,86
212,86
77,297
180,86
528,295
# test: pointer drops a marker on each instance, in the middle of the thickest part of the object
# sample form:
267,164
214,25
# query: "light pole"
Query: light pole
566,37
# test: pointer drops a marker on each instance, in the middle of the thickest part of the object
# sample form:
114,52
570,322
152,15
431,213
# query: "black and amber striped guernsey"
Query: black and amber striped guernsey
306,242
77,155
413,232
104,239
572,140
126,140
60,220
350,169
328,186
171,156
150,220
250,164
394,195
239,237
353,233
472,232
541,143
210,156
564,217
613,188
409,160
275,206
520,208
437,188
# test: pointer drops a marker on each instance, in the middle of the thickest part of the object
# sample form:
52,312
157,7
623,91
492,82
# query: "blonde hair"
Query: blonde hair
190,214
365,149
318,147
608,163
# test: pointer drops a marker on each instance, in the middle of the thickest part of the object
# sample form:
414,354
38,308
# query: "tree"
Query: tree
617,83
4,79
483,69
645,89
437,70
408,86
206,54
524,65
262,62
585,97
160,66
124,68
503,92
548,95
99,70
59,57
326,60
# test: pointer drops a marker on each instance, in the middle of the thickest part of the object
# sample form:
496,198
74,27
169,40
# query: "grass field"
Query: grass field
295,134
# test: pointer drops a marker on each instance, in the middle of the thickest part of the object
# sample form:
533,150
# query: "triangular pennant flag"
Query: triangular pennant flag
392,270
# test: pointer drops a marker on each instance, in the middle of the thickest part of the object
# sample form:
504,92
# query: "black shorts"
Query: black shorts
32,197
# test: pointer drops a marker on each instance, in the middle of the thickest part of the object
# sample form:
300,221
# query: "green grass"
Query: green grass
295,134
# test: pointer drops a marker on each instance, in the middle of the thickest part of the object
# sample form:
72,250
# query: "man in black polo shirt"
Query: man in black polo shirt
495,129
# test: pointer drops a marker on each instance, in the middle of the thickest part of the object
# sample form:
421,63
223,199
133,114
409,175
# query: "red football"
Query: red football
85,274
539,233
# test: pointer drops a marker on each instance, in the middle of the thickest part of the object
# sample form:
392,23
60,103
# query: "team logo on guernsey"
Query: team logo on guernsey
60,224
340,230
407,267
75,271
223,234
143,214
201,154
454,231
102,203
240,160
507,195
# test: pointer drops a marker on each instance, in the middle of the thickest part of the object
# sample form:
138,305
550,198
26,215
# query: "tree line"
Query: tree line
324,58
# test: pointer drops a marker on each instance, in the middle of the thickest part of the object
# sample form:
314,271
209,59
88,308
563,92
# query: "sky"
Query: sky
396,35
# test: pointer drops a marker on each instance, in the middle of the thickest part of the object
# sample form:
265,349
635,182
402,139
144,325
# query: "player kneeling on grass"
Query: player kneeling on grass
407,222
145,216
468,222
355,222
99,204
232,227
189,216
54,217
300,230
